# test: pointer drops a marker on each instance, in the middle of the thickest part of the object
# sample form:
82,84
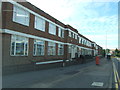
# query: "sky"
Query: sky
96,20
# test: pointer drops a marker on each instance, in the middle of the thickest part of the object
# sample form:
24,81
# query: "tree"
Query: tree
116,50
107,51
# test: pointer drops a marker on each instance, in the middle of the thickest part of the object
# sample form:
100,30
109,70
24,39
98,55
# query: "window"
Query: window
19,45
60,49
39,23
38,48
52,29
75,36
83,42
72,34
61,33
69,34
69,49
20,16
51,48
86,42
90,44
79,39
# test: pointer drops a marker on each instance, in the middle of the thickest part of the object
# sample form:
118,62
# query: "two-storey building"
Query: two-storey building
31,37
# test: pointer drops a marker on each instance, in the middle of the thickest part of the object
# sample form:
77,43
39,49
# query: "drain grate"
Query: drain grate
71,73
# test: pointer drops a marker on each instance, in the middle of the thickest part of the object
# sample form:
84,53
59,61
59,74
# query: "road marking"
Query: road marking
118,59
99,84
117,73
116,77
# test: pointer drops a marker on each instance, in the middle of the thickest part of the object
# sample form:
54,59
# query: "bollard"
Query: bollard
97,60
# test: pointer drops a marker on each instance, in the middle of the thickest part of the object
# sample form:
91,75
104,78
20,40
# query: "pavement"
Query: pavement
88,75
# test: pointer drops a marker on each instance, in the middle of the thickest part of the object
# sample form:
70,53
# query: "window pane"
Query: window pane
51,48
19,48
39,23
69,48
72,34
19,45
63,33
13,46
20,16
26,48
69,34
60,49
34,51
59,34
52,29
38,47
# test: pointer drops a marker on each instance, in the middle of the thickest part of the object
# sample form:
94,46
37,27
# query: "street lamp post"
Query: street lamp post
106,43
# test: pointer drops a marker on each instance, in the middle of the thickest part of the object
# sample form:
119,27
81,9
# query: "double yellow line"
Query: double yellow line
116,77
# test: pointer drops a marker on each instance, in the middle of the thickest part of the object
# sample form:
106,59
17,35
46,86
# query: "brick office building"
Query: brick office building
31,37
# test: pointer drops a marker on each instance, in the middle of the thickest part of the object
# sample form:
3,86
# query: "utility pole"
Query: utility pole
106,43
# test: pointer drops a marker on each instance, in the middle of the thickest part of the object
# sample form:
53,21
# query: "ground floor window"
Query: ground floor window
60,49
51,48
38,47
19,45
69,49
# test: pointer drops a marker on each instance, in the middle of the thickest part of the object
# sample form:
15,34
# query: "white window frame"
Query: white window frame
54,46
27,17
52,29
39,23
35,48
69,33
59,46
75,36
60,32
13,39
69,48
79,39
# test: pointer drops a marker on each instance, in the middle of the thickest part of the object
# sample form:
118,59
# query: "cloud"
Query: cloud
92,18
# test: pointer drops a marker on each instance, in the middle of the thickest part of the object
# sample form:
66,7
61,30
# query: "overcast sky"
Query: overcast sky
93,19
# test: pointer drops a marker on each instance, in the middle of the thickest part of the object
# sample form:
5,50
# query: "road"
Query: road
116,73
88,75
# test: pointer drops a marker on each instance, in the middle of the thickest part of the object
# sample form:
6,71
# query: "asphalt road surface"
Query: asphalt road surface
88,75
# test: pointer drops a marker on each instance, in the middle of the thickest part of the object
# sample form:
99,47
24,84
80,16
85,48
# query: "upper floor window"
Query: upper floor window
69,34
38,47
75,36
84,42
79,39
61,33
51,48
90,44
39,23
52,29
19,45
21,16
